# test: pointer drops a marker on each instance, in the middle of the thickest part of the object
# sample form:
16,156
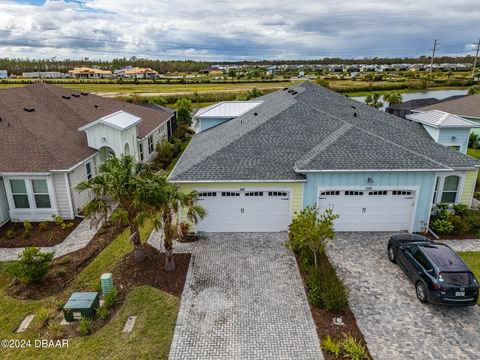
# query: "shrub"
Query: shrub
353,349
442,227
472,217
61,272
64,260
32,266
55,330
102,312
43,315
97,285
10,233
43,226
57,219
65,226
460,226
27,226
460,209
85,325
333,347
442,211
110,298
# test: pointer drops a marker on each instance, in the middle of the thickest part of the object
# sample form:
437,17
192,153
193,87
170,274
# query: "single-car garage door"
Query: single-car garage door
370,210
245,211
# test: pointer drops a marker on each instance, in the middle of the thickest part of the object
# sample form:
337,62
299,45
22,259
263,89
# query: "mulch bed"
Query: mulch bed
129,274
324,321
66,268
53,235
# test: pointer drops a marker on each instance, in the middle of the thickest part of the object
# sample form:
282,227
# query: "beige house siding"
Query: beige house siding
76,176
469,187
62,195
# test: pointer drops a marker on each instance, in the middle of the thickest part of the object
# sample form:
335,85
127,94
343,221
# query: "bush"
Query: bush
61,272
85,325
57,219
55,330
353,349
64,260
460,209
102,312
472,217
119,218
460,226
27,229
110,298
43,315
65,226
32,266
442,227
333,347
43,226
10,233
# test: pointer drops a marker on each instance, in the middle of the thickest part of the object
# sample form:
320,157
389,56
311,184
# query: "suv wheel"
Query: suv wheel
391,254
421,291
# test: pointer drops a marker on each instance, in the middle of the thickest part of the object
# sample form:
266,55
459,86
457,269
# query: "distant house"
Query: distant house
136,72
89,73
3,74
44,75
409,107
52,138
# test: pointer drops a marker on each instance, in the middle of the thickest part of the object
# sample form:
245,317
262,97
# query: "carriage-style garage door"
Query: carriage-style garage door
370,210
245,211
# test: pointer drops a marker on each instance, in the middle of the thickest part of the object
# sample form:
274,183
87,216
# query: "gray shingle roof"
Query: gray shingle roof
313,129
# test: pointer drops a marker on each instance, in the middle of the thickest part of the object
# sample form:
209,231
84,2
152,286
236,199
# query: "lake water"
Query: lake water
439,94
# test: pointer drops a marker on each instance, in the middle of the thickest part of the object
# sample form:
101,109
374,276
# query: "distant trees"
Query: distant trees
250,94
374,100
184,111
322,82
393,98
475,89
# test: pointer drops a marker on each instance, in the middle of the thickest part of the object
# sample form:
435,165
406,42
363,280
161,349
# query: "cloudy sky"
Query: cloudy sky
234,30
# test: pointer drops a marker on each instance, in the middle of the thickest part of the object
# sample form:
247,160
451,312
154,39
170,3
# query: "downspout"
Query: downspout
70,195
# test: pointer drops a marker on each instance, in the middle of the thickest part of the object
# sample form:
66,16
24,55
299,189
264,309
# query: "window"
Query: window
333,192
19,193
422,260
277,193
40,193
140,150
353,193
207,194
401,192
150,144
230,193
450,189
254,193
88,169
374,193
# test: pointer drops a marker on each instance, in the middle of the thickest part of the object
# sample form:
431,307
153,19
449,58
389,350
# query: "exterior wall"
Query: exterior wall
207,123
158,134
4,216
461,138
296,189
75,176
62,195
433,132
469,187
423,180
100,136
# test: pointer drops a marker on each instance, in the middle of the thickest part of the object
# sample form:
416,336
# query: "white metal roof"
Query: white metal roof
120,120
441,119
227,109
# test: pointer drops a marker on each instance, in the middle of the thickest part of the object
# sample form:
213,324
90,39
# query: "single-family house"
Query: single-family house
89,73
407,107
306,145
51,138
137,72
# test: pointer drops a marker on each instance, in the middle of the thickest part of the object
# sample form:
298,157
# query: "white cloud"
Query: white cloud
247,29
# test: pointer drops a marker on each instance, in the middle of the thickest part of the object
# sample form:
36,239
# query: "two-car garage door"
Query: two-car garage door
245,210
370,210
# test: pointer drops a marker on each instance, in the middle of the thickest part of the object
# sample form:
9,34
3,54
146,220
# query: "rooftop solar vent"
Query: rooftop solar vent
29,109
97,106
75,95
84,93
66,97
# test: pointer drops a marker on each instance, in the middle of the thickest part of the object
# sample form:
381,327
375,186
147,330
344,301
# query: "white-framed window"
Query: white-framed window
254,193
378,192
207,194
41,194
19,194
450,189
88,170
330,192
354,193
140,150
150,144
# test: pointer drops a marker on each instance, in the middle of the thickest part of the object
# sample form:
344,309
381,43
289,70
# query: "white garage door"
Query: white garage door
245,211
370,210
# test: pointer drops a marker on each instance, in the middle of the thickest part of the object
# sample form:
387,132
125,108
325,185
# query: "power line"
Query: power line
433,55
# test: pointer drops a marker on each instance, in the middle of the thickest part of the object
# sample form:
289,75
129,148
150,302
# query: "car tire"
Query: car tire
391,254
421,291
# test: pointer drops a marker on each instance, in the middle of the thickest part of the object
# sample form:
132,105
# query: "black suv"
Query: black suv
439,275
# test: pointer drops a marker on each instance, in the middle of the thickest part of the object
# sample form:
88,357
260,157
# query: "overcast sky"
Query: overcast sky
235,30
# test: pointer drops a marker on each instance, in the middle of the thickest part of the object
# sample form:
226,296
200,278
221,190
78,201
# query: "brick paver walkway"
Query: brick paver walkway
244,299
395,324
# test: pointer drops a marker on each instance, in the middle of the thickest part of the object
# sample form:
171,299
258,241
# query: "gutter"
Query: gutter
235,181
376,170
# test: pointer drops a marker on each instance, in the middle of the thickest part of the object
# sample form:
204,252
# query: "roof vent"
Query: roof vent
29,109
75,95
84,93
355,114
285,88
353,107
66,97
97,106
255,114
295,93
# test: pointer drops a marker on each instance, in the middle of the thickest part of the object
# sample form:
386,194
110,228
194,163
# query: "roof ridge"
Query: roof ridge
322,146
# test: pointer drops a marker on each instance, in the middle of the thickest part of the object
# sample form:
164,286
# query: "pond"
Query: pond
439,94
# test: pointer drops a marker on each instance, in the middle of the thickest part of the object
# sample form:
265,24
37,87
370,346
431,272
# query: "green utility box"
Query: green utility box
81,304
107,283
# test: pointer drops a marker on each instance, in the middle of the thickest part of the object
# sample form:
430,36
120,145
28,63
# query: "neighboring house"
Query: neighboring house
51,138
217,114
408,107
44,75
467,107
307,145
89,73
137,72
3,74
449,130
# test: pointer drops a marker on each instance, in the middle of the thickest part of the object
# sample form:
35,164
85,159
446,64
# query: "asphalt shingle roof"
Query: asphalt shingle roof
311,128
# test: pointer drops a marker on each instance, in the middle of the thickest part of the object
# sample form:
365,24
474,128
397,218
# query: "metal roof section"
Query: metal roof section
441,119
227,109
120,120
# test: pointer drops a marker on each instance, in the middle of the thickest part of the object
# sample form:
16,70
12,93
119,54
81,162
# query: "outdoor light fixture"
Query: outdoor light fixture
454,138
370,180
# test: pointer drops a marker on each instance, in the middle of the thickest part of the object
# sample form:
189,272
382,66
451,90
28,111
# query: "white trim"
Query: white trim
24,174
77,164
441,184
69,195
101,121
371,170
414,188
234,181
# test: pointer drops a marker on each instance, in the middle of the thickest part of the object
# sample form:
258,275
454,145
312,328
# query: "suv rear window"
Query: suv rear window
455,278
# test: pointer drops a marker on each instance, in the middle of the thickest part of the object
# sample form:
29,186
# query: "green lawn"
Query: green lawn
474,153
472,259
157,312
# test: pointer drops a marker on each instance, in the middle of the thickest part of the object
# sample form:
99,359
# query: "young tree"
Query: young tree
374,100
393,98
184,111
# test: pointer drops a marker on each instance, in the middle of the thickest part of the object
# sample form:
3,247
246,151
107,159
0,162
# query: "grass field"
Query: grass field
474,153
472,259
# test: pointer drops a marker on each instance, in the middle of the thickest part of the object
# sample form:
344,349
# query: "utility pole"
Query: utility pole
433,55
476,57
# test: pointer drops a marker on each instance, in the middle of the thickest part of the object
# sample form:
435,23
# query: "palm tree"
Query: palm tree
374,100
393,98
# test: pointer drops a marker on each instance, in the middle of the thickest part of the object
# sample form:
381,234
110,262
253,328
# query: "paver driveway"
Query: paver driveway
244,300
395,324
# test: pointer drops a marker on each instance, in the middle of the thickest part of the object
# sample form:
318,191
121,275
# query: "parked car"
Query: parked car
439,274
